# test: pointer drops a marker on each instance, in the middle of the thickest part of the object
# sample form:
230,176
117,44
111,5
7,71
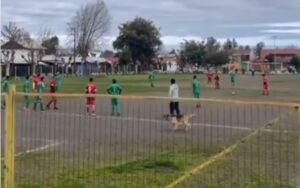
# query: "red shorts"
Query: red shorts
209,80
91,101
266,87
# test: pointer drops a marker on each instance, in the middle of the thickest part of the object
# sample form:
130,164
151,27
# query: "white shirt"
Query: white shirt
174,91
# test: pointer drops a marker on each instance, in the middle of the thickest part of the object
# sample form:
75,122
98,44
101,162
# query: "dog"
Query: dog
180,121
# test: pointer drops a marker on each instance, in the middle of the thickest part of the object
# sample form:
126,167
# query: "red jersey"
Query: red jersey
209,76
36,80
53,86
265,83
217,78
91,88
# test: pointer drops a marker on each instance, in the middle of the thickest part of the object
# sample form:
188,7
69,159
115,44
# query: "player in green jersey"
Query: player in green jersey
26,89
196,89
58,79
151,78
38,99
5,89
116,90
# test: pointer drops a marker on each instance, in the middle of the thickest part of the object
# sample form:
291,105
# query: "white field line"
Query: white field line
166,122
38,149
148,120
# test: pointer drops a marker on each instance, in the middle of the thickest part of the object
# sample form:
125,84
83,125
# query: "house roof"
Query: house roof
12,45
286,52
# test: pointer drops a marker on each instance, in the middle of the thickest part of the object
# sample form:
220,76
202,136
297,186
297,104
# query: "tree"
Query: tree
45,34
192,52
141,38
295,61
217,58
230,44
51,45
12,32
258,49
88,26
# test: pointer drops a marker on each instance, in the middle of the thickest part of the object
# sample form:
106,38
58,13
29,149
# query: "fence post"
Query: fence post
9,172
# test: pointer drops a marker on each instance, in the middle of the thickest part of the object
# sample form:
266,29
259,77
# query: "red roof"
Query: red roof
280,52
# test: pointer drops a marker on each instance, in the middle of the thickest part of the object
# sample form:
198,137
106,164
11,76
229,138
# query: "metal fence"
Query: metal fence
230,144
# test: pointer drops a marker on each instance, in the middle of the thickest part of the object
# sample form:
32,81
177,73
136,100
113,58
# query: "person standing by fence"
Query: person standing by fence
174,95
26,89
91,89
115,89
38,99
53,89
196,90
5,89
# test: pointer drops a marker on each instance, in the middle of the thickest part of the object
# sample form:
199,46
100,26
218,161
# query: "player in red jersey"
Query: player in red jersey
209,76
53,89
91,101
217,80
35,81
266,85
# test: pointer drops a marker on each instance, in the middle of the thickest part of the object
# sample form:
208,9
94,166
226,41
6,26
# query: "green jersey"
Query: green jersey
196,86
232,76
58,79
151,76
5,86
26,86
40,87
114,89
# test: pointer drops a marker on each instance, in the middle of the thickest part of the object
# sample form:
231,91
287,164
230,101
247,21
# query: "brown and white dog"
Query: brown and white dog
180,121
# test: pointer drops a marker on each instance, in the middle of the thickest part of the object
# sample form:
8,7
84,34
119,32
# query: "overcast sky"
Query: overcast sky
249,21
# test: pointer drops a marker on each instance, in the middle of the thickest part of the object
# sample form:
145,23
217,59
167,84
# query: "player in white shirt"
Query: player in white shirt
174,94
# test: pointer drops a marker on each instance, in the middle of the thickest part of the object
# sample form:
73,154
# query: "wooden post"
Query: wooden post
9,168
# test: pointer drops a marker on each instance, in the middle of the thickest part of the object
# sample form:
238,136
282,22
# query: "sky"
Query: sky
249,21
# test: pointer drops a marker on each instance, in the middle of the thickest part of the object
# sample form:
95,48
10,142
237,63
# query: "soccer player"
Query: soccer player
232,78
58,79
91,101
217,80
151,78
209,76
26,89
53,88
174,94
266,84
5,89
115,89
196,90
36,79
38,99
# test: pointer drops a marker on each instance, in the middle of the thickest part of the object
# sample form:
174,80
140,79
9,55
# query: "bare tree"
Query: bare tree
45,34
11,32
88,26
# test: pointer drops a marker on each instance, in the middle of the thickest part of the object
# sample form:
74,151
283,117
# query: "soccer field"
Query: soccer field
283,87
67,148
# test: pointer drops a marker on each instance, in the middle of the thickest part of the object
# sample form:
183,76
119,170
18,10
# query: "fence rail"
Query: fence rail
229,144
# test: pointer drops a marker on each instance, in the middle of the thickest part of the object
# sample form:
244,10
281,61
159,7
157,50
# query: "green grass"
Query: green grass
283,87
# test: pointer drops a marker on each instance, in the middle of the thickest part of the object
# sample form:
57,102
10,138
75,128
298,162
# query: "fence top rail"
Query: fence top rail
139,97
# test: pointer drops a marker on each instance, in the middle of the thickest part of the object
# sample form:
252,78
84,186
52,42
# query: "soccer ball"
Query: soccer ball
233,93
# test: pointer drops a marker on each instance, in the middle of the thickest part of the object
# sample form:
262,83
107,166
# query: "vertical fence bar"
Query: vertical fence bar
9,172
298,173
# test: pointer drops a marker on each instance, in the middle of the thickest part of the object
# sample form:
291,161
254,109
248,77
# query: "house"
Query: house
280,55
166,63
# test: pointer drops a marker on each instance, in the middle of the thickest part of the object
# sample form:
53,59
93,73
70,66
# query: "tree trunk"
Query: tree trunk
136,67
7,69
